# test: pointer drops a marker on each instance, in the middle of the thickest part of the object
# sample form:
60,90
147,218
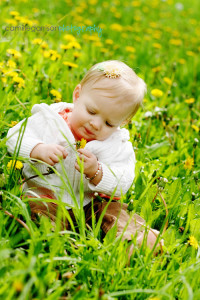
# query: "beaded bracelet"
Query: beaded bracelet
97,172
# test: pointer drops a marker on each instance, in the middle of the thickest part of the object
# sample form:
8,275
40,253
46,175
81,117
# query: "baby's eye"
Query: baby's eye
108,124
90,111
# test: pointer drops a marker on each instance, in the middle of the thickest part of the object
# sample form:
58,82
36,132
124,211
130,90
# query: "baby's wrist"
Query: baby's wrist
92,177
35,151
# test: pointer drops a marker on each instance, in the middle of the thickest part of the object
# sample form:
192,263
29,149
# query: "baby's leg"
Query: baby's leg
117,213
47,209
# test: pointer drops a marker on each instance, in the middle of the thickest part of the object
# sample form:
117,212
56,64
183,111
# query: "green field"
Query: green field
46,47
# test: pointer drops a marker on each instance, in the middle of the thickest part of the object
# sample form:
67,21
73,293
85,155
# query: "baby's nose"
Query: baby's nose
96,123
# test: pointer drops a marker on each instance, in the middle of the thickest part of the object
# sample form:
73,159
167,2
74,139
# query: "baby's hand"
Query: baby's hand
90,162
48,153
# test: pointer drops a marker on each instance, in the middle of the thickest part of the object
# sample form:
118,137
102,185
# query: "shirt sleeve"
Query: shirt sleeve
118,175
26,135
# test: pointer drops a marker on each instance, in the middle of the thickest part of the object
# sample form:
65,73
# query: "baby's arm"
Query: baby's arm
48,153
118,170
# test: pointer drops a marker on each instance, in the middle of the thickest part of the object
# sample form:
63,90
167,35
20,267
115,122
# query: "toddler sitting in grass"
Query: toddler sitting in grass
108,96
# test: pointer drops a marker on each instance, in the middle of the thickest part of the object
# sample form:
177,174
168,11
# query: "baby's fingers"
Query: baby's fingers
63,151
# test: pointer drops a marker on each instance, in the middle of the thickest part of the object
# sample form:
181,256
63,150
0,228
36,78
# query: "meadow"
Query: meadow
46,47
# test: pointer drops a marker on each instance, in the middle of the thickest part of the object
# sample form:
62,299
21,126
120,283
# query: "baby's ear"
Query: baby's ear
76,93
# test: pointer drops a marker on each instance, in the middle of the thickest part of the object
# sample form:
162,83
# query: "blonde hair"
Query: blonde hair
127,87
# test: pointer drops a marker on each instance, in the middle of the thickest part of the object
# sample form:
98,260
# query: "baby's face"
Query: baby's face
95,117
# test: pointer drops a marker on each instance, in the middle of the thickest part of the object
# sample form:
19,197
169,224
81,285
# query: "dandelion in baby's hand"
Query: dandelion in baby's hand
81,144
193,242
16,163
189,163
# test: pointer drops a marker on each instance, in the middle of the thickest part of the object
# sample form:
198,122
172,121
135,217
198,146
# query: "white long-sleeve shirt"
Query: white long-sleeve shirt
115,154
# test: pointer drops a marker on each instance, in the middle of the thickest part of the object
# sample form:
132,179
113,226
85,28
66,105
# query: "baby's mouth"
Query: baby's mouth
88,131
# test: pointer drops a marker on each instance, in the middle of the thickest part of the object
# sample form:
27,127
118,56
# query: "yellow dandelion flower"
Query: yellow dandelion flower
104,50
35,10
116,27
167,80
46,54
3,79
55,56
37,41
4,71
69,37
76,54
175,42
93,2
19,81
190,53
74,45
44,45
118,15
14,13
1,65
156,69
56,94
193,242
157,45
98,44
81,144
88,22
12,74
113,9
136,3
18,165
196,128
109,42
189,163
18,286
130,49
190,101
11,22
70,64
13,123
102,25
156,93
124,35
14,52
65,47
182,61
11,63
193,21
93,38
153,24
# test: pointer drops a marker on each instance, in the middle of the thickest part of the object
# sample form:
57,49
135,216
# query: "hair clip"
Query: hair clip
110,70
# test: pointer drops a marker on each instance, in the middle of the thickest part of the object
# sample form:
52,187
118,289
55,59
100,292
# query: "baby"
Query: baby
108,96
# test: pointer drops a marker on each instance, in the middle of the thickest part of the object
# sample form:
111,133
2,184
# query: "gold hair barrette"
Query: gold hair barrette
110,70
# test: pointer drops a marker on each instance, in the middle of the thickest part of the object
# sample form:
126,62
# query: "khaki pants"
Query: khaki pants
116,213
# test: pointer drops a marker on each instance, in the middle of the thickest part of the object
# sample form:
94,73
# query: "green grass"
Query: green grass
53,264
